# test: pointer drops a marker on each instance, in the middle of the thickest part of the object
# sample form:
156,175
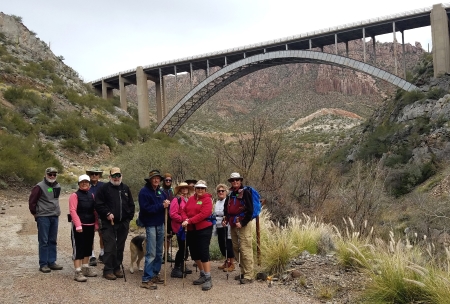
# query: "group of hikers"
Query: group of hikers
108,208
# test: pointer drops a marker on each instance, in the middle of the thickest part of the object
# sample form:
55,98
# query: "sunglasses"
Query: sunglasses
94,173
220,191
200,188
168,180
117,175
51,174
235,180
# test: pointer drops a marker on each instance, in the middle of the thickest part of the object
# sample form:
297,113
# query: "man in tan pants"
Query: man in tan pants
238,212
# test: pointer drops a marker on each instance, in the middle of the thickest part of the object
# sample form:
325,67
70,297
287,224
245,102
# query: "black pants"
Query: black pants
82,242
225,248
113,255
179,257
198,242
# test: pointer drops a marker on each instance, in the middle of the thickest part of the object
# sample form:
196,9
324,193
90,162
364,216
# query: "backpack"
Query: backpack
256,201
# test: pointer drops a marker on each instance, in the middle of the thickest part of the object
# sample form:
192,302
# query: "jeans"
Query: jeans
47,233
154,251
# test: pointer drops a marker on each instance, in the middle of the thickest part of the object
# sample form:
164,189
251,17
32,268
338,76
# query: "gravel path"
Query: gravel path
21,281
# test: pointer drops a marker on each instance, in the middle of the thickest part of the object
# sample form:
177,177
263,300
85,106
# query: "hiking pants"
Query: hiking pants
244,236
226,249
113,256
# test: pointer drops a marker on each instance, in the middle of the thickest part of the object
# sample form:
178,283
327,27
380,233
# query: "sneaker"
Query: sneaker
177,273
200,280
45,269
79,277
148,285
230,267
208,284
100,258
110,276
118,273
55,267
225,264
88,272
157,279
239,277
92,261
246,281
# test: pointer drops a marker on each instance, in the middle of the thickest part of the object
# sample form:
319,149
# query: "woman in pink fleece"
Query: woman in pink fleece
84,224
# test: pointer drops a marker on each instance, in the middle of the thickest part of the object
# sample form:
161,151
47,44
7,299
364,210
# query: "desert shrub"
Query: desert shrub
25,158
3,50
100,135
412,96
436,93
25,99
17,18
74,144
14,123
35,70
402,180
376,143
90,101
68,129
125,133
48,65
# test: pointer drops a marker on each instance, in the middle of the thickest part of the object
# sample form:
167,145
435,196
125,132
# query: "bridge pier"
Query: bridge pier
440,40
107,90
160,98
122,92
142,95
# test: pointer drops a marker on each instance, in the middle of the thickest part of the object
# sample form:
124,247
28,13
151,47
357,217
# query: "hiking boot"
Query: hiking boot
157,279
100,258
230,267
110,276
207,285
92,261
79,277
149,285
225,264
239,277
55,267
177,273
200,280
118,273
246,281
88,272
45,269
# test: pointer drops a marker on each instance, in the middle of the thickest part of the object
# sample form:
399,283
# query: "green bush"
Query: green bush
412,96
436,93
74,144
14,123
10,59
68,129
25,158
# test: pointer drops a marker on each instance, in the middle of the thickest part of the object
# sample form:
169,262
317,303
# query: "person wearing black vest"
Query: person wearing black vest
44,206
84,224
115,207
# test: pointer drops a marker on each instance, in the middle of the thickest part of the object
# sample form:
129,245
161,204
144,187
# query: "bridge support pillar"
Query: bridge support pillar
142,95
160,99
107,90
440,40
123,94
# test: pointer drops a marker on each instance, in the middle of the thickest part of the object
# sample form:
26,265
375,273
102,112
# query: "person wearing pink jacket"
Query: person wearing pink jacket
84,224
176,206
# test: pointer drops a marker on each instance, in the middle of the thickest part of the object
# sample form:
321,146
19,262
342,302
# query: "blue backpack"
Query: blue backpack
256,201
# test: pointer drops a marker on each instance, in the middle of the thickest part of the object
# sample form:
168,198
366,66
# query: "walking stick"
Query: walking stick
185,248
239,248
165,240
226,249
115,236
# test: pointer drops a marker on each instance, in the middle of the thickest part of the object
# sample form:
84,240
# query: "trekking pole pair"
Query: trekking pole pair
115,238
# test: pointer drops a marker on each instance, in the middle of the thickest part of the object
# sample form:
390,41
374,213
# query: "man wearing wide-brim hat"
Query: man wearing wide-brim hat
238,211
152,207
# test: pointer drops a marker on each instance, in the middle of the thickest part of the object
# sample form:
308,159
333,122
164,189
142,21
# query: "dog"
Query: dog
137,251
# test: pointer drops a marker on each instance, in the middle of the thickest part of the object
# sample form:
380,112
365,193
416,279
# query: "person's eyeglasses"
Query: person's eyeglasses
117,175
235,180
200,188
94,173
168,180
51,174
221,191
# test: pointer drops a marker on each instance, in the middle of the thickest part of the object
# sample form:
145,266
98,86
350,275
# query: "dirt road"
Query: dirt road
22,282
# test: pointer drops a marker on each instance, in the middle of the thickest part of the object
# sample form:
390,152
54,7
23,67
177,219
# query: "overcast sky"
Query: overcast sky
98,38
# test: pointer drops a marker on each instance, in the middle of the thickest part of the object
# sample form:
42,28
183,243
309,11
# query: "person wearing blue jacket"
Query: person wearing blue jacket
153,202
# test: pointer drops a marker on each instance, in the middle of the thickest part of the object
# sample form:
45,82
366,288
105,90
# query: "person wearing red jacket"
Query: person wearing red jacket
195,214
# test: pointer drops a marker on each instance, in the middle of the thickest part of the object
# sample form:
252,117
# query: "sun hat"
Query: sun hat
94,170
153,173
200,184
84,177
235,175
51,170
114,170
183,185
166,175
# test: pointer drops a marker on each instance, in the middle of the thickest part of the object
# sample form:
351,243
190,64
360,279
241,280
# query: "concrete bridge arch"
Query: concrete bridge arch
217,81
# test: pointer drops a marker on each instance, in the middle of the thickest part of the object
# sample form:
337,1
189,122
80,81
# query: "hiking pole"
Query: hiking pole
115,238
239,249
185,249
171,256
226,249
165,241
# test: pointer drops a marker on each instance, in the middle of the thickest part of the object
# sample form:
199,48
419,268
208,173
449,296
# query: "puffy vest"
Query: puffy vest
85,208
